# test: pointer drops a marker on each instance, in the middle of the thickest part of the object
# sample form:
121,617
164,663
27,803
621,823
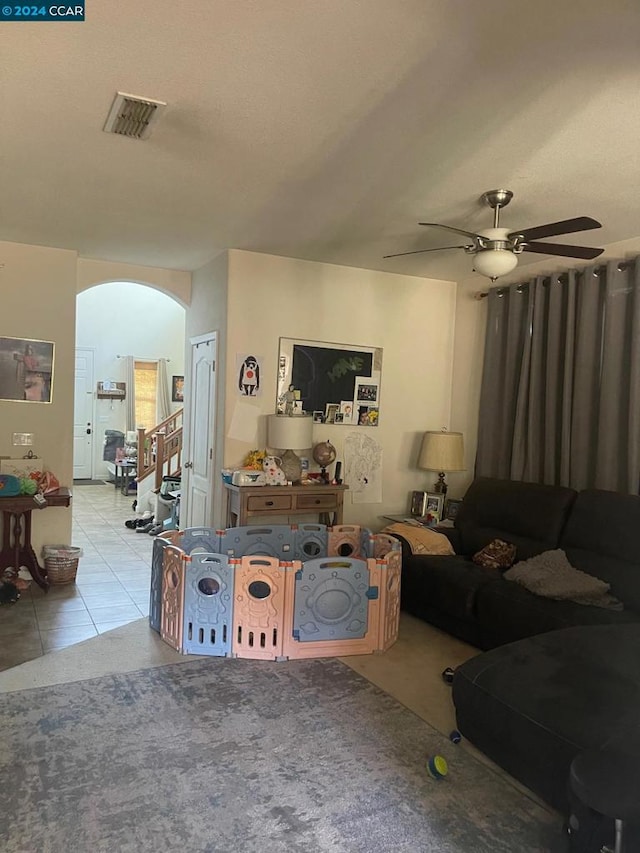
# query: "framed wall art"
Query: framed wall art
177,389
326,374
26,370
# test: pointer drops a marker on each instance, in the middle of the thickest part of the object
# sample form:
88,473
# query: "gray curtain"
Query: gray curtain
130,398
560,397
163,398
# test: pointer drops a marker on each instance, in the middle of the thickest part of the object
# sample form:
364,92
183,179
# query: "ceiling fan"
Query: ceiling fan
496,249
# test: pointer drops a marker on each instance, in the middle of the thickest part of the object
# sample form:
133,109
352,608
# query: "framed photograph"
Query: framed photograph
338,418
368,416
435,505
366,390
451,509
347,410
330,413
177,389
318,417
26,370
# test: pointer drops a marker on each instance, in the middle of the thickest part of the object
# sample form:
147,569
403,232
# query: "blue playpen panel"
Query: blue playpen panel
275,540
332,599
208,605
311,541
366,543
203,540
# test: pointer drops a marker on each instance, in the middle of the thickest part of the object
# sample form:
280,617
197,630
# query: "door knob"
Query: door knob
88,432
188,464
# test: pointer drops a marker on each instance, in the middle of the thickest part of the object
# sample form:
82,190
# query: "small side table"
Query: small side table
125,473
244,503
16,532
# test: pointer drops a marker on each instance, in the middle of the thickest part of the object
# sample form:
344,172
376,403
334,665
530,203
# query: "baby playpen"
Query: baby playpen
276,592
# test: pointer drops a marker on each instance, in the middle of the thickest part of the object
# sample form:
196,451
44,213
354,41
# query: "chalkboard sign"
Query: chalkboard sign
324,373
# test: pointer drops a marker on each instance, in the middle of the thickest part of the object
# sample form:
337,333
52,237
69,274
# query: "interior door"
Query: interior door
197,475
83,415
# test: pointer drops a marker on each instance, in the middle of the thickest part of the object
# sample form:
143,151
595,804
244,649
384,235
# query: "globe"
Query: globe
324,453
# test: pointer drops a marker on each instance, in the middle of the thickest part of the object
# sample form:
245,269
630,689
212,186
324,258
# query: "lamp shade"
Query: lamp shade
286,432
495,262
442,451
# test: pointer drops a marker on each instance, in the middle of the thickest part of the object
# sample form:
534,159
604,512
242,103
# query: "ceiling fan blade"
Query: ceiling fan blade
588,253
552,229
421,251
450,228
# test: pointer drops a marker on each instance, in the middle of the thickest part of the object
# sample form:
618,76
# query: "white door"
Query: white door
83,416
200,397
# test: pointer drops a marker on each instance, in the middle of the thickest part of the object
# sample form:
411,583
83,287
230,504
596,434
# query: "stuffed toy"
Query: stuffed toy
273,473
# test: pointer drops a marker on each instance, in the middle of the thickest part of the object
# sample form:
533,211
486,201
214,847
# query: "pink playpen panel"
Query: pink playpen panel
259,607
173,582
391,567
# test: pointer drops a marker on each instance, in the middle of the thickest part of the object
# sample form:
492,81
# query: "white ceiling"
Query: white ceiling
319,129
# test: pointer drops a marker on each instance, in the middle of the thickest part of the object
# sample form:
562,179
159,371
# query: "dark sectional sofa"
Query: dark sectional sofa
558,677
598,531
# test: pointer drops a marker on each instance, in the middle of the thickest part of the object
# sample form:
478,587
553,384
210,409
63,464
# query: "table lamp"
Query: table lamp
289,433
442,452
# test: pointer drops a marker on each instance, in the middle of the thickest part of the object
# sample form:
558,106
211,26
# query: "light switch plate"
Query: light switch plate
21,439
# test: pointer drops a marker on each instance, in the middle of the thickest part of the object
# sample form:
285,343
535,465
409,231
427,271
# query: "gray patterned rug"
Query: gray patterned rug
236,756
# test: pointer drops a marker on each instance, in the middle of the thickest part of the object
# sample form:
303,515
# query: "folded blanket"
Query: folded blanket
551,575
421,540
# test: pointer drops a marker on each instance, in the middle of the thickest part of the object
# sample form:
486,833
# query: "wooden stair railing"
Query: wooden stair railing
160,449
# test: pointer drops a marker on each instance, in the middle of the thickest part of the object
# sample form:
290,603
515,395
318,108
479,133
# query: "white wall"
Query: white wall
208,313
470,322
411,318
38,299
174,282
122,318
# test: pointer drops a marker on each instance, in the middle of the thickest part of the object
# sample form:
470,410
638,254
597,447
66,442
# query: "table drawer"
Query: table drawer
317,502
268,503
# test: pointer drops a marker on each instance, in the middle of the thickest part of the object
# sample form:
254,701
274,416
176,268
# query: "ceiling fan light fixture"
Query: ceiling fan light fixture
495,262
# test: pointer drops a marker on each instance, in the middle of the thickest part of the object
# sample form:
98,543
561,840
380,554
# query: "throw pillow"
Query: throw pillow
497,555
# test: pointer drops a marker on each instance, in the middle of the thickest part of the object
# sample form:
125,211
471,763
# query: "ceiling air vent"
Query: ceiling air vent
132,116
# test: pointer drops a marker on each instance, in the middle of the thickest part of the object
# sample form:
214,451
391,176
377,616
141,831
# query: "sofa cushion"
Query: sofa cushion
528,515
601,538
507,612
447,583
532,706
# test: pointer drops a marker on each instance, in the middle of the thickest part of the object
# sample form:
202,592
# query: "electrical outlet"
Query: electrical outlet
21,439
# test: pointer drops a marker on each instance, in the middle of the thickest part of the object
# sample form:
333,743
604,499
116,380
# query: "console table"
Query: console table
247,502
16,532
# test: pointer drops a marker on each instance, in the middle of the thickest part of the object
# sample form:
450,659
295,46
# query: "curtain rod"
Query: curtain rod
140,358
563,277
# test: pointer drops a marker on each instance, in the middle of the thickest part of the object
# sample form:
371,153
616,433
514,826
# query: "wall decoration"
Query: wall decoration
248,368
177,389
330,413
347,410
366,390
26,370
363,467
325,373
368,415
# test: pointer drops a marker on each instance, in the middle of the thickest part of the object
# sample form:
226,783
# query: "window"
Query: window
146,383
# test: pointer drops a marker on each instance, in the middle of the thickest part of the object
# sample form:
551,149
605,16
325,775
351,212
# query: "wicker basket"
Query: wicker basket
61,563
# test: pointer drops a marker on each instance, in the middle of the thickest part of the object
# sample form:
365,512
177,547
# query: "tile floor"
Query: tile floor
111,589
